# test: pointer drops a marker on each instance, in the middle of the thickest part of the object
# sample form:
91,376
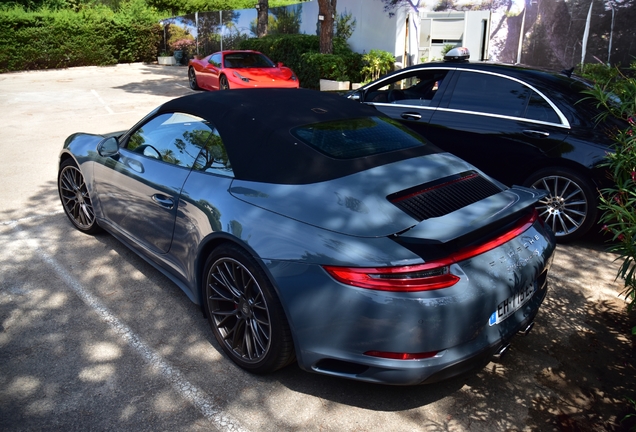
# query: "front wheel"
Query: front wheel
223,83
76,201
570,208
192,79
244,311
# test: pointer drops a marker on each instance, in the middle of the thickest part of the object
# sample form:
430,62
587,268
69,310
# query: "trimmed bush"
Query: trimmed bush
301,53
57,39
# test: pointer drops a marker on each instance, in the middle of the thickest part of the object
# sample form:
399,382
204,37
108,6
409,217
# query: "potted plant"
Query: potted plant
181,49
333,72
166,59
376,64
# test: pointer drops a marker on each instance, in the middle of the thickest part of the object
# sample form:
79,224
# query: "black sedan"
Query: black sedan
520,125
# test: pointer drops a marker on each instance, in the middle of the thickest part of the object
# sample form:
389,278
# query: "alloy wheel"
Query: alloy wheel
565,208
223,83
238,310
75,198
192,78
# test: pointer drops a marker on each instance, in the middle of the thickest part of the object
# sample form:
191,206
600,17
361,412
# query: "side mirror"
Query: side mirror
108,147
280,64
355,95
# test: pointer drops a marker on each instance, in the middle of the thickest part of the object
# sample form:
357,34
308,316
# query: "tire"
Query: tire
192,79
76,201
571,207
244,311
223,83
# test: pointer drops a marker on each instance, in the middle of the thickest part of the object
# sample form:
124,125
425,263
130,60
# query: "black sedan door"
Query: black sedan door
410,97
497,123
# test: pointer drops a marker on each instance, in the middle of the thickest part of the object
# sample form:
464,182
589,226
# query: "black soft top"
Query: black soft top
255,126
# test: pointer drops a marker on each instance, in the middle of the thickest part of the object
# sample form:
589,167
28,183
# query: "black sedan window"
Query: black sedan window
539,109
175,138
357,138
493,94
490,94
416,88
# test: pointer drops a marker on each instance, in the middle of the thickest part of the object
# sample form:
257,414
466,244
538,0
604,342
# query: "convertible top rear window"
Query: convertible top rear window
358,137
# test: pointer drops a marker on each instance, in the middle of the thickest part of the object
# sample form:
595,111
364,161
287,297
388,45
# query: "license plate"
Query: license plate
512,304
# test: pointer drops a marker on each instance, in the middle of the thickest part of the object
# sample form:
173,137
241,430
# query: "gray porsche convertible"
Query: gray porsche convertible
312,228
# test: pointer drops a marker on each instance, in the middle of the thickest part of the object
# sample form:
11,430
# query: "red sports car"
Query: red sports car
238,69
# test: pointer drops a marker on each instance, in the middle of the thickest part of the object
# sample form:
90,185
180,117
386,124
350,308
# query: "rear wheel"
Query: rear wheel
223,83
570,208
244,311
76,201
192,78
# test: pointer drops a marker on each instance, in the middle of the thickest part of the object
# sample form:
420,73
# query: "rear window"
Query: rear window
358,138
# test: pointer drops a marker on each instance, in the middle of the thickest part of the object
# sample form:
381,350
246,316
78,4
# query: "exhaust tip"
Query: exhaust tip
502,351
526,331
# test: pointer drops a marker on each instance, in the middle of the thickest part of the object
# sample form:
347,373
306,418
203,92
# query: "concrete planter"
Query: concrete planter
329,85
167,61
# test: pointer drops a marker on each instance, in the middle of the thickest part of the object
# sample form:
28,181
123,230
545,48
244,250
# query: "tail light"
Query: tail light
401,356
432,275
422,277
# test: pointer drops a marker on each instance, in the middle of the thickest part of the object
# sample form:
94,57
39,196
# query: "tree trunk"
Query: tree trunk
262,18
327,10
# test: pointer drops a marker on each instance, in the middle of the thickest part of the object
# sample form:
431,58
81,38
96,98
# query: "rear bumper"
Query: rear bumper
336,326
477,361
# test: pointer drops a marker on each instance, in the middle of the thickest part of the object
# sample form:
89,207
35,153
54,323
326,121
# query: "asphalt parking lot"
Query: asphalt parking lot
93,338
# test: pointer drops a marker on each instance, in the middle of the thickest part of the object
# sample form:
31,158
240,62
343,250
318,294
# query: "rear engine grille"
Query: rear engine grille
444,196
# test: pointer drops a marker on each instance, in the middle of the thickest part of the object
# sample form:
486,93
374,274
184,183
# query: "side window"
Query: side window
174,138
215,60
213,157
540,109
489,94
417,88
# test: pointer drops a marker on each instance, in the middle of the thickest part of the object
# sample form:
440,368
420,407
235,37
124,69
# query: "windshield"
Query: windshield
241,60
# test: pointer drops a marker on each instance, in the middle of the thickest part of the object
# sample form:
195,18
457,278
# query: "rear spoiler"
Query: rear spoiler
470,224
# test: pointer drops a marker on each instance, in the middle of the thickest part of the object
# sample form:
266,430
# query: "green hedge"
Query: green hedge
57,39
301,53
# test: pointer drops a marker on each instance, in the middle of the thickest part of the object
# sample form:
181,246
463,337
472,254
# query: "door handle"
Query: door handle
410,116
163,201
536,134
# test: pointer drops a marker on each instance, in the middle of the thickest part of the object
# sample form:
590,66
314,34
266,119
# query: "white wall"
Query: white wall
374,28
473,34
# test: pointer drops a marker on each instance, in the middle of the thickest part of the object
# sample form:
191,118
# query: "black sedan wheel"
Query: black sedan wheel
223,83
245,313
570,208
76,201
192,78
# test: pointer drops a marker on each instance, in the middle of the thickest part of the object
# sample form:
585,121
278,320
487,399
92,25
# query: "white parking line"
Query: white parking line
182,386
99,98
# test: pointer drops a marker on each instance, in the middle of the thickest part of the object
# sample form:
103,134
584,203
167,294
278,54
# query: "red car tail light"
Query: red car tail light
401,356
432,275
422,277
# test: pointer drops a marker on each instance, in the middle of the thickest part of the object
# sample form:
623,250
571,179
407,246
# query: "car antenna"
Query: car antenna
568,72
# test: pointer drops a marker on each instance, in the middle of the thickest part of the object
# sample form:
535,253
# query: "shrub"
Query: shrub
93,36
616,93
376,64
301,53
